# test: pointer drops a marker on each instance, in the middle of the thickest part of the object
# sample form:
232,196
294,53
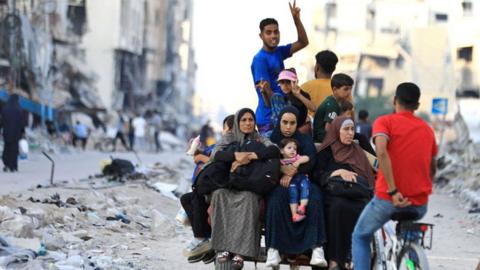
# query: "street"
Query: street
455,238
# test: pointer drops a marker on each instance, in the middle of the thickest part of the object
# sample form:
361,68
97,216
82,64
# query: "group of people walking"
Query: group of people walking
305,172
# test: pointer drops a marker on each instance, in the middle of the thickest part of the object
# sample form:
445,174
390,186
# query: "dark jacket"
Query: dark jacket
12,120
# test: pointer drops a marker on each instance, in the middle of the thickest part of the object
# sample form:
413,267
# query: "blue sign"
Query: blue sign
31,106
439,106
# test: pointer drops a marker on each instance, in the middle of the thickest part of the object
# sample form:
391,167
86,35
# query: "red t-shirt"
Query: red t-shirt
411,147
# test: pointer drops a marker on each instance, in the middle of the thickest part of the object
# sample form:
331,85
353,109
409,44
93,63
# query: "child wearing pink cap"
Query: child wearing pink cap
292,95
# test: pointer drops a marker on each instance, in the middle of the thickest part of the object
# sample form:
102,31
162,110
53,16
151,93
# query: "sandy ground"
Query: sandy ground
455,243
68,166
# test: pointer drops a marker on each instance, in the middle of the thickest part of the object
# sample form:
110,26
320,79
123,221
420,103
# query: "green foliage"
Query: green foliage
375,106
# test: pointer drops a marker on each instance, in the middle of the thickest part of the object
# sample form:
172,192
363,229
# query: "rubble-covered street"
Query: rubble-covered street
99,224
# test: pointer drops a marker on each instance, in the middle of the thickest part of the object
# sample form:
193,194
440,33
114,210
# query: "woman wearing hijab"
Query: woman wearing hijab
235,214
342,159
12,125
282,235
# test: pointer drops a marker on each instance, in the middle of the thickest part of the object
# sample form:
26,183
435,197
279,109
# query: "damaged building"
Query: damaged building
143,55
92,56
384,42
41,59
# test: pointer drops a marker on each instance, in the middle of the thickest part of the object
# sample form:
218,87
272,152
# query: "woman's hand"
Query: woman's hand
242,157
285,181
235,165
346,175
252,156
288,170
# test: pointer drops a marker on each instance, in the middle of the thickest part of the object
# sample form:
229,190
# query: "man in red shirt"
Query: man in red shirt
406,151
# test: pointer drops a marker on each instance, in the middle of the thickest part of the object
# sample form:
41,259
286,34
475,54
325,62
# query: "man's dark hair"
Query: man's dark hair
363,115
286,141
408,94
341,79
266,22
345,106
229,120
327,61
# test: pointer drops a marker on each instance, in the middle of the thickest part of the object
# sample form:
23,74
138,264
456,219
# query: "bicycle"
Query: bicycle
402,247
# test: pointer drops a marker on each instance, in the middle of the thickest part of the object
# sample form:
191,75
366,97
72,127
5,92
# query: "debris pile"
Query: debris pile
95,223
459,166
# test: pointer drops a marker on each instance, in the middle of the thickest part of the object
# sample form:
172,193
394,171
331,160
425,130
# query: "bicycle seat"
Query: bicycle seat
404,215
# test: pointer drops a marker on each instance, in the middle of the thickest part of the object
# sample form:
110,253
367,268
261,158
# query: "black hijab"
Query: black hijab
277,135
305,147
12,123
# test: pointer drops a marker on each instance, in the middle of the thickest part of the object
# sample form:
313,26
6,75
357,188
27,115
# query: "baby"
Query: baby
299,185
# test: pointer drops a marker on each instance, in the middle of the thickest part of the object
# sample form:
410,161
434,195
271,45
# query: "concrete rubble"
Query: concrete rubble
94,223
459,167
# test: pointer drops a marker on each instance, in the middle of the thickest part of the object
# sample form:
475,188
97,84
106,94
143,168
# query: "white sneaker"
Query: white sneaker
197,247
318,257
273,258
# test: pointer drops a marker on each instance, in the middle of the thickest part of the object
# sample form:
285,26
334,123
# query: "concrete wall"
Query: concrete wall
103,32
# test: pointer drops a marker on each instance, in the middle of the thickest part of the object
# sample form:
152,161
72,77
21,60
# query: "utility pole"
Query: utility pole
12,26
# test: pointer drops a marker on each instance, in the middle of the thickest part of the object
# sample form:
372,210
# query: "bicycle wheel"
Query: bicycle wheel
376,258
412,257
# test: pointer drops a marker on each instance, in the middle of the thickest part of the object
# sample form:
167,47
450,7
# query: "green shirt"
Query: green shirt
326,112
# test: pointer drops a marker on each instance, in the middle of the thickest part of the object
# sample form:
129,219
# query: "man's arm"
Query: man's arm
385,165
302,41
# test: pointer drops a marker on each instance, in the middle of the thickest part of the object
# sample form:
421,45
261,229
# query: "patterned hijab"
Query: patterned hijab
238,136
351,154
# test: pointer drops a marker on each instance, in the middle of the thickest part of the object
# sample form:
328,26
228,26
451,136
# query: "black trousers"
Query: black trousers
122,139
10,155
196,208
158,145
83,140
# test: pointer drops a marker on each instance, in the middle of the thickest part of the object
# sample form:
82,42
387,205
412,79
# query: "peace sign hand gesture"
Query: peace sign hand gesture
294,10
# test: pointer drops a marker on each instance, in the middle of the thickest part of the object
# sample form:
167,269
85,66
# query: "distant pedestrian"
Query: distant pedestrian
131,133
139,128
80,133
122,128
363,125
268,63
156,122
12,124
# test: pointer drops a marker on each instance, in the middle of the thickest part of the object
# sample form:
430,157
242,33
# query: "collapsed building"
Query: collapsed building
97,56
383,42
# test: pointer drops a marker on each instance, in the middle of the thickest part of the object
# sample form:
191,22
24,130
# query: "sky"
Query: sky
225,38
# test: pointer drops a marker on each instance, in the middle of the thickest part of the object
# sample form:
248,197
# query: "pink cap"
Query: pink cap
287,75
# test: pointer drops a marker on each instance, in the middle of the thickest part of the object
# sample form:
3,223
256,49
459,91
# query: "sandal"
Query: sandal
297,217
223,257
302,210
237,262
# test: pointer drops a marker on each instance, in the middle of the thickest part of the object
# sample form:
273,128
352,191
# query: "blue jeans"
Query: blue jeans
298,183
374,215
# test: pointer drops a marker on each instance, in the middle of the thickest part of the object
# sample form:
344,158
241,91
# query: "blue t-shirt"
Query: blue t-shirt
266,66
80,130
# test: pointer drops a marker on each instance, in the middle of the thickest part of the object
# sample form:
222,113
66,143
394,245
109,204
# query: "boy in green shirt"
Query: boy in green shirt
329,109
